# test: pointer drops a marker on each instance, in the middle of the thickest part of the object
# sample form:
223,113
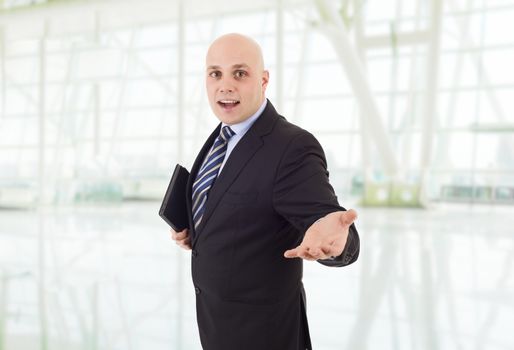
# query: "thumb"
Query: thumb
348,217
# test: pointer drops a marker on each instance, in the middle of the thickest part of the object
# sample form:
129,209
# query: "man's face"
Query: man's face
235,79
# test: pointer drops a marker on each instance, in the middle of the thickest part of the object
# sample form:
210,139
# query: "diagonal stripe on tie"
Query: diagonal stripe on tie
208,173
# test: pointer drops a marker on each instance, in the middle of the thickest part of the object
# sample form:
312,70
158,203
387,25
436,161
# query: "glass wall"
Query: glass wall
95,115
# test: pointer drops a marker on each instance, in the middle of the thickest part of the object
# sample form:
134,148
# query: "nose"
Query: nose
225,86
225,89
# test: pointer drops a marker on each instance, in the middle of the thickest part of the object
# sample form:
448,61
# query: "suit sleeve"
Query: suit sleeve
302,193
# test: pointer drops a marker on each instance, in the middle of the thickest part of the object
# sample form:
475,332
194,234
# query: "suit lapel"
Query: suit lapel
238,159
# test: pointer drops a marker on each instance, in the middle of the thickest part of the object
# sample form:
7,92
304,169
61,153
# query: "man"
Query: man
259,201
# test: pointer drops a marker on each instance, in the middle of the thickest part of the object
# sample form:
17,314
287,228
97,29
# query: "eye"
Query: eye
214,74
239,73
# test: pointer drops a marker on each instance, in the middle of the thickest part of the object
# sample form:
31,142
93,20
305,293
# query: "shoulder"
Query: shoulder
293,135
278,132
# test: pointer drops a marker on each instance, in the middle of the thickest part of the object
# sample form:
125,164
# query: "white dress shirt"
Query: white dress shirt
240,130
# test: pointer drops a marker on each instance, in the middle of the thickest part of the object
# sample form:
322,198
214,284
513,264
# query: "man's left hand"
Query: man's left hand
325,238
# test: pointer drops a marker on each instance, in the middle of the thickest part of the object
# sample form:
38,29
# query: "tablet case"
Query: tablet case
173,208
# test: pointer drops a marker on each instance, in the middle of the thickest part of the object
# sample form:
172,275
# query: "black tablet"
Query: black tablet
174,208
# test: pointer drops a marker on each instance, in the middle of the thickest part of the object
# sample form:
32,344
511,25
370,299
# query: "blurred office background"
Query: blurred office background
412,100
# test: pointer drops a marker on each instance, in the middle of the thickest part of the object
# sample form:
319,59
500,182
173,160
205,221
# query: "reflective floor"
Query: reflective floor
110,278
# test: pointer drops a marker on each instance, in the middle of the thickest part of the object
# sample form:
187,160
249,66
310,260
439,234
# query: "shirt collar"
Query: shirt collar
241,128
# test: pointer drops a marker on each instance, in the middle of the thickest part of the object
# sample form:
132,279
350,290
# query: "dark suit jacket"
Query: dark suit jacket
272,188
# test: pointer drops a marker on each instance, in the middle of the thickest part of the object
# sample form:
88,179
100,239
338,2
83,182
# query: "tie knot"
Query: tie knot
226,133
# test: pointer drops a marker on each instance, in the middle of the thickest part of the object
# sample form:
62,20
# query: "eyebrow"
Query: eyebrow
235,66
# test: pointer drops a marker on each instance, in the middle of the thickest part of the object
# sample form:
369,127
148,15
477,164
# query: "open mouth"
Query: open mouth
228,104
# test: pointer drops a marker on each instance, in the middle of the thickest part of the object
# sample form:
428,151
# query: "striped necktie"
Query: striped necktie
208,173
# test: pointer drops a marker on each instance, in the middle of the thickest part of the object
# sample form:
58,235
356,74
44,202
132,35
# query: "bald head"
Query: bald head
236,80
238,45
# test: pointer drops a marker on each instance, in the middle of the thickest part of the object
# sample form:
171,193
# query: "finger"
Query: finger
186,239
185,243
295,253
316,253
303,252
291,253
185,246
323,256
179,235
307,256
325,253
334,251
326,249
183,234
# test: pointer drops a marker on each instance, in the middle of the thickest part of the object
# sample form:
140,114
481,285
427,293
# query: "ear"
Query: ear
265,80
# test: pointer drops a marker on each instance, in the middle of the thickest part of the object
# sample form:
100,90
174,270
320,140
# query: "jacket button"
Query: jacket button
194,253
197,290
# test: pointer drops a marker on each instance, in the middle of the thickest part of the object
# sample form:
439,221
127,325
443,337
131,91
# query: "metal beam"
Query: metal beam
3,308
181,64
181,41
2,71
279,99
42,116
336,32
300,84
96,95
121,103
430,117
493,127
400,39
42,190
365,135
